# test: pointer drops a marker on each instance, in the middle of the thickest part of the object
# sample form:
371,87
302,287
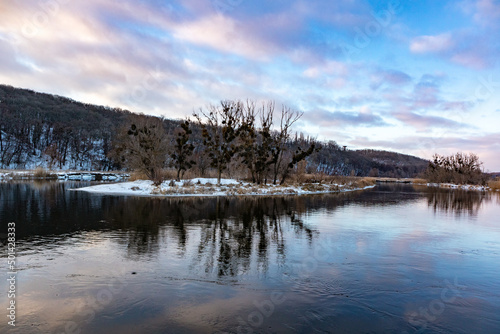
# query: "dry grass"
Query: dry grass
419,181
321,182
240,191
134,176
169,174
187,183
313,187
364,182
38,173
494,184
41,173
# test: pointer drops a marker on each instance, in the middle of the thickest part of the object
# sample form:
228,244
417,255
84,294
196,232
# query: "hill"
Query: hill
38,129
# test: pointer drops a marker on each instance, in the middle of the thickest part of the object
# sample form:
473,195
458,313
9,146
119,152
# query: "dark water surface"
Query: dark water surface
394,259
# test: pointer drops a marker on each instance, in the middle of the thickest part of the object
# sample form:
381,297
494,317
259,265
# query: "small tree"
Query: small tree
280,140
282,160
53,154
263,149
256,141
142,146
247,140
220,128
298,156
182,149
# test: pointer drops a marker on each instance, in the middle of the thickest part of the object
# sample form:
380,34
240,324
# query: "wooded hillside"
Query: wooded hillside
45,130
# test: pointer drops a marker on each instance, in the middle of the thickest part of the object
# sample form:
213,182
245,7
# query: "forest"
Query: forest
44,130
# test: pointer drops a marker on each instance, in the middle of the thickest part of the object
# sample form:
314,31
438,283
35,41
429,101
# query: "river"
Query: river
392,259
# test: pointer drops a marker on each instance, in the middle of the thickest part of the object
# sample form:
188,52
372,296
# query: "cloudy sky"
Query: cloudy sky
417,77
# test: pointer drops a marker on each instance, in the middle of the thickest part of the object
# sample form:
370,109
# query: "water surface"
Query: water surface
392,259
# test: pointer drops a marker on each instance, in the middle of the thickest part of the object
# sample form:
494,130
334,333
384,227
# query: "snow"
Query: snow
468,187
85,176
204,187
140,187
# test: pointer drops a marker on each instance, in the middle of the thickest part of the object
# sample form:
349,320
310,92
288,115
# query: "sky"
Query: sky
416,77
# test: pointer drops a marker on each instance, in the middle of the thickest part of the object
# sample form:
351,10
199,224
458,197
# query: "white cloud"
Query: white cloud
223,34
432,44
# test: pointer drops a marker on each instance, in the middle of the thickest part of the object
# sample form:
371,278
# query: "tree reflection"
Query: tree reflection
456,201
233,232
225,236
241,229
48,208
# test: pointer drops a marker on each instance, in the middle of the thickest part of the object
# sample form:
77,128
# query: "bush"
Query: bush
458,169
40,173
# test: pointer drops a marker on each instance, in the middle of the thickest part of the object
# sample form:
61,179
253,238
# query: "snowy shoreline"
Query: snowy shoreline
468,187
205,187
63,176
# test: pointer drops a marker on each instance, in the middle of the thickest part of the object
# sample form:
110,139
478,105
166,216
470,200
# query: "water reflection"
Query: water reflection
232,230
354,262
457,201
49,209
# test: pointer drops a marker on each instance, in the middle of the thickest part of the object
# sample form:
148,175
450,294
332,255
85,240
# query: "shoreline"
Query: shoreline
231,188
467,187
205,187
26,175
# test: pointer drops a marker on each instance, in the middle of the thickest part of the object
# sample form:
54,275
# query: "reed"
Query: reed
494,184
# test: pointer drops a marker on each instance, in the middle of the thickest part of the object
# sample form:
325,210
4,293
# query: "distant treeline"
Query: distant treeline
39,129
458,168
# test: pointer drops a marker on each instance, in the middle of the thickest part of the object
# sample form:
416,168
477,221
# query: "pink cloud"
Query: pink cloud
327,68
470,59
424,122
390,77
432,44
224,34
364,117
485,12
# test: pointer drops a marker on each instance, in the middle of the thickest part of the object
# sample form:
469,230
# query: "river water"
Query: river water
392,259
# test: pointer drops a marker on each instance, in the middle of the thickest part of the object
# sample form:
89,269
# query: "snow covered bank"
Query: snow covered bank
468,187
209,187
92,176
85,176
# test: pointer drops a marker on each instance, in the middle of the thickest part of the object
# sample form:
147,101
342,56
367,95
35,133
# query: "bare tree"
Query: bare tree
182,149
281,138
247,140
143,147
220,128
256,140
458,168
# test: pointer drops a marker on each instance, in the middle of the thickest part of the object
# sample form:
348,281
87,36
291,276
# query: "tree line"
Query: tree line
459,168
45,130
241,134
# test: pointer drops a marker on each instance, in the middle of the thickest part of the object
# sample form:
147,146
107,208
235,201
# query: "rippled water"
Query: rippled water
394,259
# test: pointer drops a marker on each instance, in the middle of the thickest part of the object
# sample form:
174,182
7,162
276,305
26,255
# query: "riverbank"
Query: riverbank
468,187
311,184
423,182
42,174
205,187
